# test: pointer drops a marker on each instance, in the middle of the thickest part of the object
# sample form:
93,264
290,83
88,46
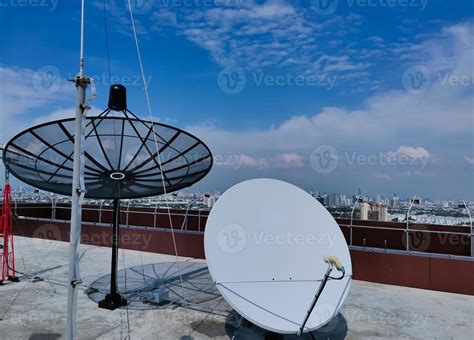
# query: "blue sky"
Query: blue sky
329,95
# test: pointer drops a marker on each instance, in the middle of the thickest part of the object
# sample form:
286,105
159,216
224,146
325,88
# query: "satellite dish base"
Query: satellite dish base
113,301
273,336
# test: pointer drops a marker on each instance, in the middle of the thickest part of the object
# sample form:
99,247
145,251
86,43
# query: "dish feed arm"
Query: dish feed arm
332,261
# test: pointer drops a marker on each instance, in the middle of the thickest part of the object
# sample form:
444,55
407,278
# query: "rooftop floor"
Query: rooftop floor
36,310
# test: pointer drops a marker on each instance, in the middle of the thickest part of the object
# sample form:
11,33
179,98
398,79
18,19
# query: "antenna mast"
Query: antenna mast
78,189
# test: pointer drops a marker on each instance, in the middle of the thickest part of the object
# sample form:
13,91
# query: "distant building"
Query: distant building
395,201
364,211
205,199
373,212
331,200
211,202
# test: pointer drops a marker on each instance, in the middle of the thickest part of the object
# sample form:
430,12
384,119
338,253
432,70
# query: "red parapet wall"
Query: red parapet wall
427,238
418,271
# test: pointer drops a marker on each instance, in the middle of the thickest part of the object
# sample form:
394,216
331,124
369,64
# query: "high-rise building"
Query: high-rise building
373,211
395,201
211,201
364,211
343,201
379,212
205,199
331,200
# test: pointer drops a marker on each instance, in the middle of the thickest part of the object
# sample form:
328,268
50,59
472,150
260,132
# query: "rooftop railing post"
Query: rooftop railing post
53,208
154,215
352,219
199,220
465,206
128,210
100,211
412,201
407,232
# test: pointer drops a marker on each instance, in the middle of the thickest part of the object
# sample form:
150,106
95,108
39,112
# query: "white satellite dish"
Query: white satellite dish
266,243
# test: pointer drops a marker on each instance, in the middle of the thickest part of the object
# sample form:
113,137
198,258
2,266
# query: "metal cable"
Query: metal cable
145,86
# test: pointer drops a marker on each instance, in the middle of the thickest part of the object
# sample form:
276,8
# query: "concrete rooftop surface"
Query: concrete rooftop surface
36,309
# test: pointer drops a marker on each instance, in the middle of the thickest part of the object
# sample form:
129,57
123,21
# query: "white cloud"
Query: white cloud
251,162
239,161
469,160
410,152
18,93
63,114
393,120
24,101
274,33
289,160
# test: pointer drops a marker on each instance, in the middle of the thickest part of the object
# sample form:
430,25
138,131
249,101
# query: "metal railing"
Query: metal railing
129,210
186,214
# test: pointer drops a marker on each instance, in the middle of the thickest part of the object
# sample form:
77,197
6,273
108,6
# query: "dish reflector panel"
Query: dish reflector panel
265,242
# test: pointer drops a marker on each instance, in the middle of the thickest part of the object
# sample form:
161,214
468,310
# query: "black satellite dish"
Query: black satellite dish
124,157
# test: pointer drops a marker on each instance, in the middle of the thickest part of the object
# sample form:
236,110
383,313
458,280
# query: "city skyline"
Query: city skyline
338,196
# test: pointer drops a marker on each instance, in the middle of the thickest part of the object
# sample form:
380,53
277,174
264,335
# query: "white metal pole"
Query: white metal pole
470,222
408,225
352,220
76,199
